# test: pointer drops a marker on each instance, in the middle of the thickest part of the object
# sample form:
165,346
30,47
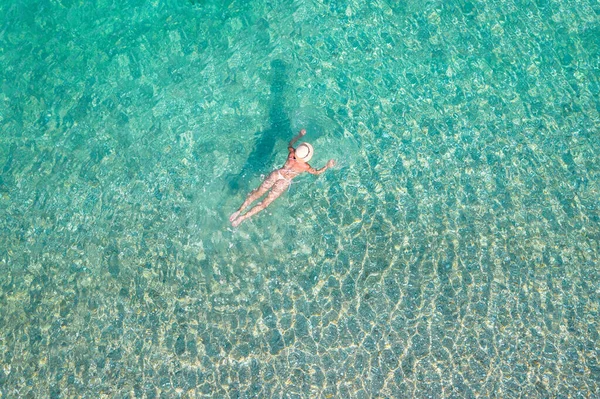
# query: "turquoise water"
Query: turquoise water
452,252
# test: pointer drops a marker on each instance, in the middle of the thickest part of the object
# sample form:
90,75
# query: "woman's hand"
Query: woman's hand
293,141
330,163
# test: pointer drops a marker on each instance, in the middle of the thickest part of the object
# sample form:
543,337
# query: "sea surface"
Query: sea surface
452,252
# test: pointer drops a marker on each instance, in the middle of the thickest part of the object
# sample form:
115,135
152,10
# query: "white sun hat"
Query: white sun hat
304,152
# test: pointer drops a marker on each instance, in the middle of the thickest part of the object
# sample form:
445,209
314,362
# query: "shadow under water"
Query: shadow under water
262,156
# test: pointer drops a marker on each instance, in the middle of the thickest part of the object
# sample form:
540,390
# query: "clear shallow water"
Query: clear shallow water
453,252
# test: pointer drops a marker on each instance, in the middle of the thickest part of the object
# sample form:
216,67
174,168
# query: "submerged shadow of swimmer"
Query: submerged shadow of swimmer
280,127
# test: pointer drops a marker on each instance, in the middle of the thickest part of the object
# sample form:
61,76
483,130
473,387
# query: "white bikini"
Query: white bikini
285,178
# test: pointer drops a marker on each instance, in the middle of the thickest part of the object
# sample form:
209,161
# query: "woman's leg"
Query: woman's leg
257,193
278,188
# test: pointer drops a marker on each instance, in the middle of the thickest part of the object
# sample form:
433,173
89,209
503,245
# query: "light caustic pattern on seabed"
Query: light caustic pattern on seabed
453,252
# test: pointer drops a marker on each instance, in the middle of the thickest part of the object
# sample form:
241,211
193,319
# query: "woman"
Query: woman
279,180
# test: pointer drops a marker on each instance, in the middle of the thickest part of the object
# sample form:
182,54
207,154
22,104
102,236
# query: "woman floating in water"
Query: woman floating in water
279,180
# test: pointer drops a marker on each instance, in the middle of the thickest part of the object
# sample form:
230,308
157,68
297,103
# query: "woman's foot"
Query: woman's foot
234,216
237,221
